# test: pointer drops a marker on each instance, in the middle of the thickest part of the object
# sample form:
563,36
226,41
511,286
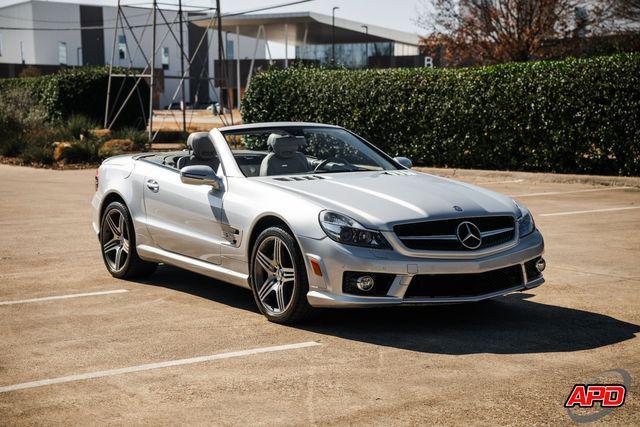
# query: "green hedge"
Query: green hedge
572,116
81,91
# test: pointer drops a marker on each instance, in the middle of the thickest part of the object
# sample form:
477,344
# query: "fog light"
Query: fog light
541,264
365,283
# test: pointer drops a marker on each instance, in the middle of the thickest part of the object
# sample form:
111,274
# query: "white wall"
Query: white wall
19,15
65,15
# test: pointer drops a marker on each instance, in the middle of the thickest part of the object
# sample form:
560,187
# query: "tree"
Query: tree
463,32
628,9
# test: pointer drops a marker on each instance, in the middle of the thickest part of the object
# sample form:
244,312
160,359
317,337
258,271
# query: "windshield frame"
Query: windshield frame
290,128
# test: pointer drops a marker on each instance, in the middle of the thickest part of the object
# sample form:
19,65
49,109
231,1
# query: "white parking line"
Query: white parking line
510,181
591,211
553,193
166,364
57,297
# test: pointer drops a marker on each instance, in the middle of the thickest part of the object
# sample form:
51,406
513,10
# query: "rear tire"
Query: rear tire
118,244
279,277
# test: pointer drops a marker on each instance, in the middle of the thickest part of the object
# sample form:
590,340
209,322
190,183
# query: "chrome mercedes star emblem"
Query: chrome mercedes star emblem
469,235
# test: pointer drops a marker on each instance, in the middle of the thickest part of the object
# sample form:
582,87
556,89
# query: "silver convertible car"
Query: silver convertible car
311,215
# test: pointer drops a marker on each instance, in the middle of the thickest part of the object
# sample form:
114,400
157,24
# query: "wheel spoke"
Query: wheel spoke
277,253
118,259
112,226
280,296
111,245
288,274
121,225
125,246
265,262
266,288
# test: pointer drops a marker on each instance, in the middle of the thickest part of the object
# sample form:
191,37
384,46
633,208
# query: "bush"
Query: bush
82,91
79,126
572,116
38,155
113,147
21,120
139,138
85,151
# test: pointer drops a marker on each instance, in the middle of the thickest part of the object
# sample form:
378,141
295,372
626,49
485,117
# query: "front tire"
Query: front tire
279,277
118,244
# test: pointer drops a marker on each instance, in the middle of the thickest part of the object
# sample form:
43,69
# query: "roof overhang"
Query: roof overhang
318,28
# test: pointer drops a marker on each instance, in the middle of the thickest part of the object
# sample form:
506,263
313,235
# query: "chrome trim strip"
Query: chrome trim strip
431,237
494,232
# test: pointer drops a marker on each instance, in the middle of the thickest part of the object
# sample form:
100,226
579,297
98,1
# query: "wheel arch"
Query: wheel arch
112,196
264,222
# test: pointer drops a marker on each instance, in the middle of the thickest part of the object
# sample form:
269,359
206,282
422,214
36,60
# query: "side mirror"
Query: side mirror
200,175
407,163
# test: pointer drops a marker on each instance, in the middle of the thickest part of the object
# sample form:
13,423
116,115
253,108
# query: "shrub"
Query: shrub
37,154
82,91
21,120
115,146
79,126
139,138
577,115
85,151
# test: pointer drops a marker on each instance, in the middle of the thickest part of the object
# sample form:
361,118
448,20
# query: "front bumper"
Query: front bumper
334,259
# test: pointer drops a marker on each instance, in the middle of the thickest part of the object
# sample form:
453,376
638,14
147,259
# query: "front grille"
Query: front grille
464,285
440,235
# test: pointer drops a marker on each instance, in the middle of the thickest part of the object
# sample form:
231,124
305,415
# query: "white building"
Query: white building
50,35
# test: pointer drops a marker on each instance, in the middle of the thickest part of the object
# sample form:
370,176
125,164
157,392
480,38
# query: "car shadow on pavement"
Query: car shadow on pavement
508,325
201,286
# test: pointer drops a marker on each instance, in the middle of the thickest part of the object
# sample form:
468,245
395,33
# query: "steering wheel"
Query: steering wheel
323,163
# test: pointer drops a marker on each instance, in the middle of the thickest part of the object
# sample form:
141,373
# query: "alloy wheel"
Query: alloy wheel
115,240
274,273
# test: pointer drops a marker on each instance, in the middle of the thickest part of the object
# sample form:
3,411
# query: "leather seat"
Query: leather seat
284,157
202,152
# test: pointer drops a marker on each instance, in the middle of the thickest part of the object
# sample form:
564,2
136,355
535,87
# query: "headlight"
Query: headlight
346,230
526,225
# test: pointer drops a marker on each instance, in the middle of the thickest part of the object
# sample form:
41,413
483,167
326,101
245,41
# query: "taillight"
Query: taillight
97,178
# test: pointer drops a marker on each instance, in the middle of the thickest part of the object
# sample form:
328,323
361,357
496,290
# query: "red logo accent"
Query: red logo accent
585,395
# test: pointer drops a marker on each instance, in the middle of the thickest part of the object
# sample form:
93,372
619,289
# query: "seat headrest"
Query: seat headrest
285,146
202,146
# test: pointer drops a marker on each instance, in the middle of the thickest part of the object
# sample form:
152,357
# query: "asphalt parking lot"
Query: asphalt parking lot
509,361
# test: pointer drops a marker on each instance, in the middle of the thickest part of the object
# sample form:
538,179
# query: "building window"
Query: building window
229,49
122,47
165,58
62,53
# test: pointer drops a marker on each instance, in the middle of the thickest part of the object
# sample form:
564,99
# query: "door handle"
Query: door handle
152,185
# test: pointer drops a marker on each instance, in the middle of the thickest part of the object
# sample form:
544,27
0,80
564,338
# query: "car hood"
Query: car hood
381,199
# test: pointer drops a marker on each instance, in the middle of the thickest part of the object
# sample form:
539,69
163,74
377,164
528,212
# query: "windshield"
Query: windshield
300,150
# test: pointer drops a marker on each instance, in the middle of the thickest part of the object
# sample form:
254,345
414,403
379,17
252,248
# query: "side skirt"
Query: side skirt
197,266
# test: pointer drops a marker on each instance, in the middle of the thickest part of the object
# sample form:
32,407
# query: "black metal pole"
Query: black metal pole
221,57
184,104
366,44
333,34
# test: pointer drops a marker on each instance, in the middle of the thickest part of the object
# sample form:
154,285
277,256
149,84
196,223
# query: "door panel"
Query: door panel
183,218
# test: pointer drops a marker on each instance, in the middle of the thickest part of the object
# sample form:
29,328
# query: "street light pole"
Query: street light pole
333,34
366,44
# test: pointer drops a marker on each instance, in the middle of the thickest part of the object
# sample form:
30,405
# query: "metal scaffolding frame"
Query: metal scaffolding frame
116,104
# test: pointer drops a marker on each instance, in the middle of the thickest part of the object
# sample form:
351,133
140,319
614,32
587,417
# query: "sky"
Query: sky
396,14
